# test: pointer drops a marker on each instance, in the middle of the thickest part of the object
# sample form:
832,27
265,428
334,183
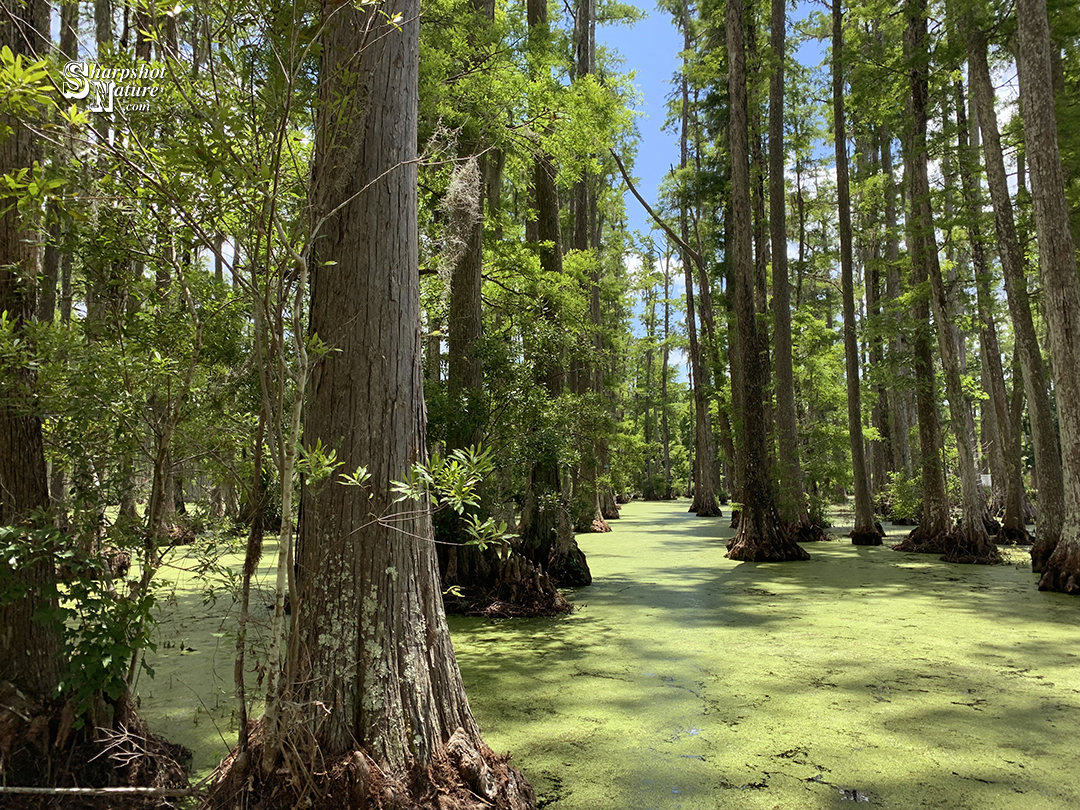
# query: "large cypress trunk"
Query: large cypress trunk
369,603
1057,268
371,666
761,535
28,648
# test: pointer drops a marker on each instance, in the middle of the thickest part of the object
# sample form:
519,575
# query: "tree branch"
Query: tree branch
693,254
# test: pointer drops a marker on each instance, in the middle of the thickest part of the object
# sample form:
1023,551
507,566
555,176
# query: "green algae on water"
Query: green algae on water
862,678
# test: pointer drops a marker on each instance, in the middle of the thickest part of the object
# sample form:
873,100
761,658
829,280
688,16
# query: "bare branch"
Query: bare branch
693,254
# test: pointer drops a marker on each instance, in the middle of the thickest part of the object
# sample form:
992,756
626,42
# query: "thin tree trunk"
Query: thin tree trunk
546,530
252,555
705,503
1012,523
969,543
880,449
666,434
991,440
864,532
929,535
899,410
1043,435
465,369
587,238
791,500
1016,421
737,451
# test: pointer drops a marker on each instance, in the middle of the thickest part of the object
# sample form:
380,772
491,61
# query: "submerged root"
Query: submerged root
873,536
1013,536
40,748
762,538
463,775
522,590
922,541
808,532
971,546
1062,572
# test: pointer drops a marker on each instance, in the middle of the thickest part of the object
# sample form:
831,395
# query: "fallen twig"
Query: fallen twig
105,791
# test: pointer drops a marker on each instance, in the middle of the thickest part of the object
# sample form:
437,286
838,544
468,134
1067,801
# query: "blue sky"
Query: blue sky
651,48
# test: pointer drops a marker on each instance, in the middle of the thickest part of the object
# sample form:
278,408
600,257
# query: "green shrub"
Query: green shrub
902,501
819,511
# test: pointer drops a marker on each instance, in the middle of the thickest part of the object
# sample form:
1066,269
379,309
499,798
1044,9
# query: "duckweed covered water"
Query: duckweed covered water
862,678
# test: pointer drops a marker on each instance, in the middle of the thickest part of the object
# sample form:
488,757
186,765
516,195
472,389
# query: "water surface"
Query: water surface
863,677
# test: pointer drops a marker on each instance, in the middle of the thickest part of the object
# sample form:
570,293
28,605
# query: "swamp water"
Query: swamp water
863,677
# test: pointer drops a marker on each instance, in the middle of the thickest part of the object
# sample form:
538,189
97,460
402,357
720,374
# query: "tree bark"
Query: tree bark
103,22
704,503
29,648
930,534
791,499
1044,437
371,663
864,532
761,535
1058,271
